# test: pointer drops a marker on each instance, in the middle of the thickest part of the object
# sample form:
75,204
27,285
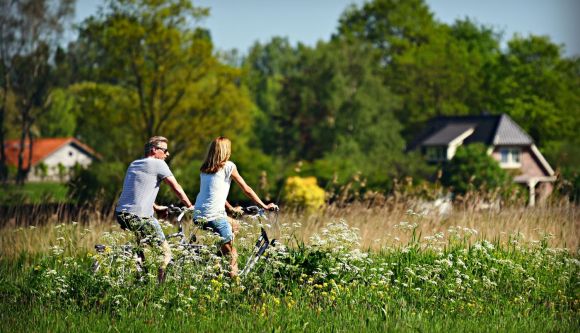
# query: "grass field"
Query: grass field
352,269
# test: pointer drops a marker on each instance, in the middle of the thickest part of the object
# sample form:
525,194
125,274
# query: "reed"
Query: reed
378,226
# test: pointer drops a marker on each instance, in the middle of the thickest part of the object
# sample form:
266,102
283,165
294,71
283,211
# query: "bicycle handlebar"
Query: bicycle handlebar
250,210
258,210
181,210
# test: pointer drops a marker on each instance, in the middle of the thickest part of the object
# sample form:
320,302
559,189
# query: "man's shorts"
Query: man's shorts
222,227
145,228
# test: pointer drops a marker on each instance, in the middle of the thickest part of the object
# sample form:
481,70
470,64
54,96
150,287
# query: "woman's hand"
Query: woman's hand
237,211
271,206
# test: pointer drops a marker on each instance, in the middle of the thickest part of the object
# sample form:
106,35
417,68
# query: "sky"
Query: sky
240,23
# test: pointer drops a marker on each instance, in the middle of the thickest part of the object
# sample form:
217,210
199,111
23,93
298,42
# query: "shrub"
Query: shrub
100,182
303,193
473,169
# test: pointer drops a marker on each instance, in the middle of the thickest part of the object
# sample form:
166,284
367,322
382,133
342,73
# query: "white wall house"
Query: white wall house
52,158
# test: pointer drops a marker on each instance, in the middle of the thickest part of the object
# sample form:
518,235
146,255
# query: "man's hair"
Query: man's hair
152,143
217,155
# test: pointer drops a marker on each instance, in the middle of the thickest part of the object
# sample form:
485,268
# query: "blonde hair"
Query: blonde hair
153,142
218,153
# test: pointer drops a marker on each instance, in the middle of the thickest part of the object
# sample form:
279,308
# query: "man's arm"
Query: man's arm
178,190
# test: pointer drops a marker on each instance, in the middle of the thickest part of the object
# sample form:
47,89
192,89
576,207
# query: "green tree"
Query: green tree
540,90
60,119
153,73
266,69
392,26
29,33
329,106
472,169
436,69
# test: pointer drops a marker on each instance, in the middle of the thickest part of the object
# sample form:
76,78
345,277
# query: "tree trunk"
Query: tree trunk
22,171
3,166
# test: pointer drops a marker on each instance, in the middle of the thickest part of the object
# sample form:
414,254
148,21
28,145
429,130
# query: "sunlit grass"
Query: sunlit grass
454,279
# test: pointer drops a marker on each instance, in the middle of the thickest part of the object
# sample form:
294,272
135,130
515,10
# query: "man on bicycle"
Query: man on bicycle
136,205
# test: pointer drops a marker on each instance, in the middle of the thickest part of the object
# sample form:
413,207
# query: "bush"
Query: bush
99,183
472,169
303,193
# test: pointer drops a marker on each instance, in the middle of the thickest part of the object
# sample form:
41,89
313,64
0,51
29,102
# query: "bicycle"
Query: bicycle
187,250
264,240
193,250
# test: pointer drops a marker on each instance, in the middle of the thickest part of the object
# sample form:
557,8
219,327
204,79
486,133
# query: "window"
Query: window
435,154
510,157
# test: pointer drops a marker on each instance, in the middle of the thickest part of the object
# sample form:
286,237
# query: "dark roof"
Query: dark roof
447,134
510,133
488,129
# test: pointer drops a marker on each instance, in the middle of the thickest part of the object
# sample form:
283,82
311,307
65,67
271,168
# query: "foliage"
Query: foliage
437,69
100,183
29,33
303,193
60,119
34,193
153,71
472,169
326,106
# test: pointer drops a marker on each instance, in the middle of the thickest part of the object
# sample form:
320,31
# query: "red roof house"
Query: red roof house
52,158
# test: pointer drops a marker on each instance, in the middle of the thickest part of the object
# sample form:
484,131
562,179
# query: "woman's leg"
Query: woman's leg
235,224
229,249
223,227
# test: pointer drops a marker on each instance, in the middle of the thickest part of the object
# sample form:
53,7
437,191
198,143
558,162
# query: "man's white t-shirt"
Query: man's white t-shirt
141,186
213,193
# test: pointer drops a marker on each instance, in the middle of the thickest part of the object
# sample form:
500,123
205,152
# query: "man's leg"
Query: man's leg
159,238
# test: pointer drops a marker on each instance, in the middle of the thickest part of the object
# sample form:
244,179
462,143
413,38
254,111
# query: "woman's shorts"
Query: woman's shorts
147,228
222,227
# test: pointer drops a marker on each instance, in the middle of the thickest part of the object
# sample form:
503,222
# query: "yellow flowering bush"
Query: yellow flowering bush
303,193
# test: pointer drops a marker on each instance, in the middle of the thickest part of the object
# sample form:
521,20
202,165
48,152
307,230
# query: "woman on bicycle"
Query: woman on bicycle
217,172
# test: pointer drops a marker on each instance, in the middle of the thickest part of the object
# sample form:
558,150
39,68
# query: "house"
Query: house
508,144
52,158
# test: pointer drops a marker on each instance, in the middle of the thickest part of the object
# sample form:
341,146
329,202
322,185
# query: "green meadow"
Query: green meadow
325,280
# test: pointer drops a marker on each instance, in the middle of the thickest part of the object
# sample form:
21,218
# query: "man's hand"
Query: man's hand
161,211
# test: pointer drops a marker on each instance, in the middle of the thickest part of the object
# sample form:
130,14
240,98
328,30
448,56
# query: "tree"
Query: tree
29,30
392,26
267,68
60,119
473,169
436,69
152,72
540,89
329,106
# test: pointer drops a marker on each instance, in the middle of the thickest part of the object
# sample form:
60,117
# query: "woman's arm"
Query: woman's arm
248,191
236,211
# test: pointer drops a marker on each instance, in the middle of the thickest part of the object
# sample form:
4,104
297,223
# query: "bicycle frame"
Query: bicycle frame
262,243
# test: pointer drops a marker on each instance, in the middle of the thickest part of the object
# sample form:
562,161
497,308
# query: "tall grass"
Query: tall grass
379,227
453,281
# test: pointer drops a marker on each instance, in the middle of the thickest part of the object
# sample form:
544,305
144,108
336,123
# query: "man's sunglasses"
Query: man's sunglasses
164,150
